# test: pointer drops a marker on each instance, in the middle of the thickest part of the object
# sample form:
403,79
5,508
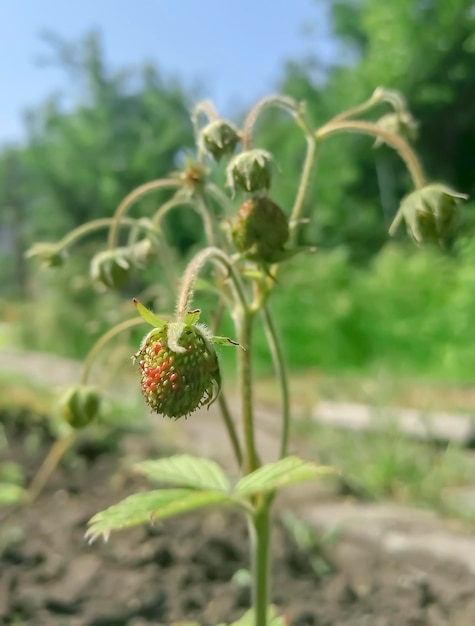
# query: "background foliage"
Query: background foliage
374,304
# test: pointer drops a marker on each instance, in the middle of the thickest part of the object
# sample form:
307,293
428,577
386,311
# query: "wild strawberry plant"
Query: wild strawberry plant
177,362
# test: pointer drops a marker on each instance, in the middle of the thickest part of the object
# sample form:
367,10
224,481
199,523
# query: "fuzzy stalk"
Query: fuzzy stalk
367,128
191,275
131,198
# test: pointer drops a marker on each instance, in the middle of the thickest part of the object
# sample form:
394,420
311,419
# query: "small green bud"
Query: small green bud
80,405
250,171
431,212
113,268
261,229
219,138
402,124
47,253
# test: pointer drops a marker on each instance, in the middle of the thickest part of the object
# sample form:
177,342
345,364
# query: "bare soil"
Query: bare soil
183,569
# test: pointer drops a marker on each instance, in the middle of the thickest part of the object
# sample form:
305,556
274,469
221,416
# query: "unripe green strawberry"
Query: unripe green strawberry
431,212
261,229
219,138
176,382
250,171
80,405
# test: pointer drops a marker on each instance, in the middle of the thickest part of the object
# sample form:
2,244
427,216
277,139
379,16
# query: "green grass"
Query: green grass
388,465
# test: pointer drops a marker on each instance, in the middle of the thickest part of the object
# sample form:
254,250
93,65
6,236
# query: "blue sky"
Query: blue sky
234,48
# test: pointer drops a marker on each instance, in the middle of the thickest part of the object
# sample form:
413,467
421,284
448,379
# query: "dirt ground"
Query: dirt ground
183,569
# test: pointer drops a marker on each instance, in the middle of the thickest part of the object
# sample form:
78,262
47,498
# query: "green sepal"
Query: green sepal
192,317
148,316
225,341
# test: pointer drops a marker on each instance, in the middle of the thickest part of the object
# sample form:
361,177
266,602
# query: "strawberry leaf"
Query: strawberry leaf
277,475
184,470
149,506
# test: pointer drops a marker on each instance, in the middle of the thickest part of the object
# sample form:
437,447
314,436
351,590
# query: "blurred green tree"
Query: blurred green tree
426,50
121,129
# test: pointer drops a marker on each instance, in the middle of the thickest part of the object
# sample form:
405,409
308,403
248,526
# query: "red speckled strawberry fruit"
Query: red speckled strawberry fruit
175,382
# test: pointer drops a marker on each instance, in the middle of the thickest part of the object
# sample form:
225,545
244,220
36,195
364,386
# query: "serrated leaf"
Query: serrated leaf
11,494
149,506
280,474
192,317
148,316
184,470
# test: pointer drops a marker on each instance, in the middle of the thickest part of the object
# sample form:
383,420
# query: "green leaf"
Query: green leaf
192,317
274,476
148,316
184,470
11,494
149,506
248,619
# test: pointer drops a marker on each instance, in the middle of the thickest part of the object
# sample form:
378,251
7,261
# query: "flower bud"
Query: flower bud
80,405
47,253
261,229
431,212
402,124
250,171
219,138
113,268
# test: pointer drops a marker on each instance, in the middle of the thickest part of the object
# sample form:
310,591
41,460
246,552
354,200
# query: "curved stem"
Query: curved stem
167,206
231,430
288,104
375,98
303,185
367,128
55,454
191,274
133,196
90,227
100,343
281,371
205,107
206,217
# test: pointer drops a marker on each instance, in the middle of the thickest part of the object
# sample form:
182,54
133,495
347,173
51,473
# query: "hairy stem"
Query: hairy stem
367,128
204,211
245,325
131,198
167,206
303,185
191,274
375,98
90,227
281,371
288,104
